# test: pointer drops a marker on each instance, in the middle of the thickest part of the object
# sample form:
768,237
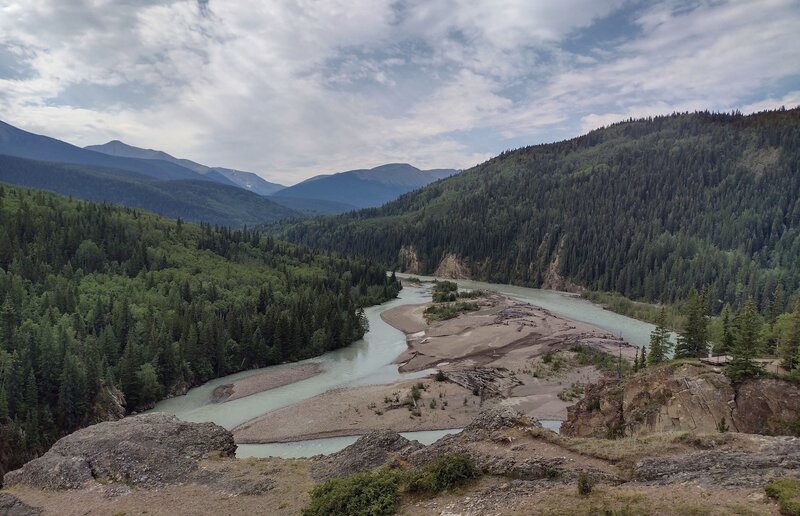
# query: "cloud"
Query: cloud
293,88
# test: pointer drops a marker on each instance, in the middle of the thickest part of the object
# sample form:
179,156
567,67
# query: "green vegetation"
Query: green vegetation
660,345
95,298
746,344
446,311
444,291
585,484
444,473
787,493
379,492
374,494
648,208
606,362
643,311
190,199
572,393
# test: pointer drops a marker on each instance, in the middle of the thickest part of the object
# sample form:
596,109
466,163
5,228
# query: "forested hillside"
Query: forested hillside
649,208
196,200
95,298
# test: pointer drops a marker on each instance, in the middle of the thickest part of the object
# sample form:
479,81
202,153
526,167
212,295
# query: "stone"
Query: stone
10,505
150,450
370,451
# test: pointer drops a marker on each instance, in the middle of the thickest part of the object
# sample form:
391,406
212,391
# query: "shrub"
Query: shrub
585,484
722,426
445,472
363,493
787,493
440,376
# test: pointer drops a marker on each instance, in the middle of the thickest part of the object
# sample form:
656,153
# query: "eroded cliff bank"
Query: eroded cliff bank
681,396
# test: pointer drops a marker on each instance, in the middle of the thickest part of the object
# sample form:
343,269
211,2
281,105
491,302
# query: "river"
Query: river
369,361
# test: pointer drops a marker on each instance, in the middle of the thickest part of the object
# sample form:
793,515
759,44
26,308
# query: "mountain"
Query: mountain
365,188
22,144
246,180
194,199
312,207
649,208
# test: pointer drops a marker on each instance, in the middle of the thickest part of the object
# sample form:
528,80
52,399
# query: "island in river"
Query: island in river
503,352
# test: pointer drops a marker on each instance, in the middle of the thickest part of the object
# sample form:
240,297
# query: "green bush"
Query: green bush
372,494
445,472
787,493
585,484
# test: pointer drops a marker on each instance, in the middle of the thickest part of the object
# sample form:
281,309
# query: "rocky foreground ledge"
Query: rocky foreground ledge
161,465
151,450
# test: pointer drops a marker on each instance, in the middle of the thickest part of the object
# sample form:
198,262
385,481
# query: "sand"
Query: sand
265,381
358,410
506,336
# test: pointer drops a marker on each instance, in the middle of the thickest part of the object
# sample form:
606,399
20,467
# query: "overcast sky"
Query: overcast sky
290,89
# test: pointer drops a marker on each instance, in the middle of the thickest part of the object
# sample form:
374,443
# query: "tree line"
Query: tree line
649,208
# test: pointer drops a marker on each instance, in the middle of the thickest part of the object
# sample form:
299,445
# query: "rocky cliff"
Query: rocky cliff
684,397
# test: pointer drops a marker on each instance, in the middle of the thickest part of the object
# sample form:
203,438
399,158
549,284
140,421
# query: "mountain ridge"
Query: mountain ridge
645,207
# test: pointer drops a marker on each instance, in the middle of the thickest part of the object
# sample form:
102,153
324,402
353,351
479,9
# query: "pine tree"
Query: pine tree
643,360
3,404
660,345
693,342
746,345
726,340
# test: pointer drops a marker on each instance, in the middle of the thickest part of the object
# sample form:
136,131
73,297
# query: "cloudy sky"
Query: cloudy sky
292,88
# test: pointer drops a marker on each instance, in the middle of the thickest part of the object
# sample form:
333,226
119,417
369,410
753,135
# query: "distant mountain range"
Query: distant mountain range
158,185
365,188
154,180
246,180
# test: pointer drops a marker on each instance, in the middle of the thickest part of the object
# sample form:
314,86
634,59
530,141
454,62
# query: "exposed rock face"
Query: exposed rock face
370,451
10,505
769,458
108,405
409,260
684,397
451,267
149,450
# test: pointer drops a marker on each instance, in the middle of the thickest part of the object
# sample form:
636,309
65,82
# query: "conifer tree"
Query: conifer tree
693,342
746,345
726,340
660,345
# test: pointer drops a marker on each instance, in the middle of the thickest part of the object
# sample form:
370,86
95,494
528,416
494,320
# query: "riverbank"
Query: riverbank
358,410
264,381
506,352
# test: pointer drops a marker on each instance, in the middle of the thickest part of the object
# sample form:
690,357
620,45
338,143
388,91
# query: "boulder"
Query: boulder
149,450
368,452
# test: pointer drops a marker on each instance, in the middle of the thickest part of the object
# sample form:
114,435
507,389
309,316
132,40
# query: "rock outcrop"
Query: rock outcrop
370,451
10,505
149,450
758,460
451,267
684,397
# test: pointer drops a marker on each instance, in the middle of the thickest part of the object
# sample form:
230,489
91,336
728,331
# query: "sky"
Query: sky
290,89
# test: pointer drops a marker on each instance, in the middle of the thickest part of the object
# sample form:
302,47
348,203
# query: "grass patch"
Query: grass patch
636,309
446,311
787,493
572,393
606,362
363,493
444,473
378,493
